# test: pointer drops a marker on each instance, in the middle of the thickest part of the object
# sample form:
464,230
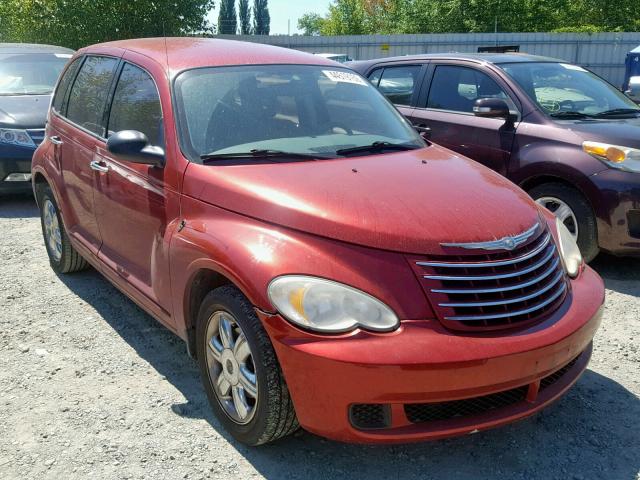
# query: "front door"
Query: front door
133,202
445,109
76,131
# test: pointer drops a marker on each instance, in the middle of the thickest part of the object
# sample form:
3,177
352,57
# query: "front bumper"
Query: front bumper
615,196
14,159
422,363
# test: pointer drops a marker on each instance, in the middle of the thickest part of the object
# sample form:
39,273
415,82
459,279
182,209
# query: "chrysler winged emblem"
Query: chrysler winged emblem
506,243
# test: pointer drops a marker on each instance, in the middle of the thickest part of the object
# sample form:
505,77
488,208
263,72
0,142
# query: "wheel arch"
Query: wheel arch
535,181
202,281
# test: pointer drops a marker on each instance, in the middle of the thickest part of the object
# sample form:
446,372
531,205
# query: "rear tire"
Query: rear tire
580,208
270,415
62,256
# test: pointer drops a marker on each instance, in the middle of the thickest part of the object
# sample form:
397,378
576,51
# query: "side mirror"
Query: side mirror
633,92
491,108
133,146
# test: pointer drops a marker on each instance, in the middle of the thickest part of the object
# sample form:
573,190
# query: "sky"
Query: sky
283,10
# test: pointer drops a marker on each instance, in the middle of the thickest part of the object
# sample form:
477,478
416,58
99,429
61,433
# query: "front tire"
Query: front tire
62,256
240,371
573,209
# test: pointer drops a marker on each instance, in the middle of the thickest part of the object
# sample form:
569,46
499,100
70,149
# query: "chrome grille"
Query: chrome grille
490,290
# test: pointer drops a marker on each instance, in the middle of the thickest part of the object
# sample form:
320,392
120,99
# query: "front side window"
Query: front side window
136,105
398,83
63,85
304,109
89,93
562,89
456,89
30,73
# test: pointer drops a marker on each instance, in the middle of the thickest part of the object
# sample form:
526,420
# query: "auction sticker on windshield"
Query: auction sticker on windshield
344,77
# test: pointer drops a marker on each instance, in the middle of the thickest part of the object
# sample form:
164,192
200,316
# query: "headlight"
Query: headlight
569,251
16,137
615,156
326,306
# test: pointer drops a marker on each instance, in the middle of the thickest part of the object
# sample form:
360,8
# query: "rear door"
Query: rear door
77,130
445,108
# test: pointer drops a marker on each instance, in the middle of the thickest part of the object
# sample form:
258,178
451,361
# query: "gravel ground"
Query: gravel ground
90,386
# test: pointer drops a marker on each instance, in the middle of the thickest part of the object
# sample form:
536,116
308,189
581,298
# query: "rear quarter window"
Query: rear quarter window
59,99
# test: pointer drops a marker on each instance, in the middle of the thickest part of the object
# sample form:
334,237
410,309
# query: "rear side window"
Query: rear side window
89,93
136,105
398,83
59,98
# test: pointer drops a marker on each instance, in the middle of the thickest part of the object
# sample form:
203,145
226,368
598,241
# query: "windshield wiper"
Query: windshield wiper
570,114
260,154
376,147
618,111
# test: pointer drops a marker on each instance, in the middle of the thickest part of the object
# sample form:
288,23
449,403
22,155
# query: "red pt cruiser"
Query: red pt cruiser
326,266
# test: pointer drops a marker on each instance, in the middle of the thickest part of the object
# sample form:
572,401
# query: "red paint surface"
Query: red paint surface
252,223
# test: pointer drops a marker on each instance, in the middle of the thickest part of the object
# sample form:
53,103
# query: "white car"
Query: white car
336,57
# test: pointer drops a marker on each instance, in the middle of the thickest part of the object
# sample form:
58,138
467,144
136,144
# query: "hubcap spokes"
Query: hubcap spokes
562,211
53,236
231,368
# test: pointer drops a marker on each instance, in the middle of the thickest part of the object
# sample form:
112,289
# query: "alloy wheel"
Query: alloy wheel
52,233
231,369
562,211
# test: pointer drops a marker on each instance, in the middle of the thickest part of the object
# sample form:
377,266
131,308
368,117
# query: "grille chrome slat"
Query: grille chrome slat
480,290
539,306
510,301
519,286
501,276
497,263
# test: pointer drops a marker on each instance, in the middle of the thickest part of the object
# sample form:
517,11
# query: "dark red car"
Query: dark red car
325,266
567,137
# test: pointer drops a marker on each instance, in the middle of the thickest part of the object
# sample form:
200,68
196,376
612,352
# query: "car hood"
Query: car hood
625,132
407,202
24,111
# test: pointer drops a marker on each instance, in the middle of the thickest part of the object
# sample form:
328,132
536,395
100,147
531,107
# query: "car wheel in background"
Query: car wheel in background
62,256
573,209
240,371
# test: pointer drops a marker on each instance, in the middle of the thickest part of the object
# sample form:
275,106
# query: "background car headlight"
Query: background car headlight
16,137
326,306
614,156
569,251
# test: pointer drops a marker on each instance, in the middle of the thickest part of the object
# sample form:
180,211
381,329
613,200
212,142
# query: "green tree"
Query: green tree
345,17
261,18
245,17
227,18
311,24
77,23
352,17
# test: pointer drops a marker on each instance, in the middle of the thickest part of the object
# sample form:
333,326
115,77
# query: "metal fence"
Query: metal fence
604,53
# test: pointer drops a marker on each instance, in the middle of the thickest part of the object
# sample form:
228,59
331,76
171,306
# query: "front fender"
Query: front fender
250,253
553,159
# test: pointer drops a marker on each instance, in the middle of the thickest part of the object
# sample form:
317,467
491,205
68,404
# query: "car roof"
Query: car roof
495,58
32,48
179,53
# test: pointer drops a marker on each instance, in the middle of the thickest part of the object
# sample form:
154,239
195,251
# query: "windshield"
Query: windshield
561,87
302,109
30,73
